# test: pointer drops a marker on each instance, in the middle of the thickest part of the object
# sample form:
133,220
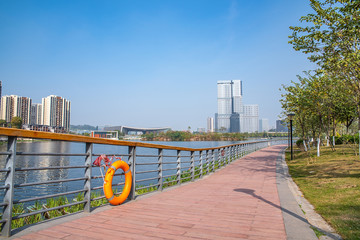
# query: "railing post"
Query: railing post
228,154
132,162
213,160
9,191
207,162
232,155
160,173
88,171
192,166
178,167
223,157
220,157
201,164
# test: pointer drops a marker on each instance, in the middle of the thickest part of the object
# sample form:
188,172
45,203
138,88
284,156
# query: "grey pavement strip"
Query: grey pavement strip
297,224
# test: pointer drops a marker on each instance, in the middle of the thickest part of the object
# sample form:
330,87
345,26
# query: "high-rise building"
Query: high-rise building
281,126
264,125
210,124
56,112
0,91
15,106
249,119
7,108
36,114
229,106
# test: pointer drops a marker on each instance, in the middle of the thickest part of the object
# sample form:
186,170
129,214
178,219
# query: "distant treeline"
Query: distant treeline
188,136
83,127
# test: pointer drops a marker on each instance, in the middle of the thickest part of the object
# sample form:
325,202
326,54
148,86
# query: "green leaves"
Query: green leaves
331,39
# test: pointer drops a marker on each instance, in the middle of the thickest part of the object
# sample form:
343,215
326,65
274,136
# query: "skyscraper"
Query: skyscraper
56,112
210,124
229,106
15,106
264,125
0,91
249,120
36,114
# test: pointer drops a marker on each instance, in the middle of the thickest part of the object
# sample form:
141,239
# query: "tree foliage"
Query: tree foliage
215,136
3,123
331,38
16,122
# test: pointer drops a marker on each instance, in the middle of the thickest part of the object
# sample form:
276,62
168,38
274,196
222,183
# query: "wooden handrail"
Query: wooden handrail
78,138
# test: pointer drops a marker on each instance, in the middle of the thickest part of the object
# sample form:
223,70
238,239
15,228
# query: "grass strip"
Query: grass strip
331,183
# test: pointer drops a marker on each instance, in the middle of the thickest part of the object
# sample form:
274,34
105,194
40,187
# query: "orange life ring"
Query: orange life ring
114,200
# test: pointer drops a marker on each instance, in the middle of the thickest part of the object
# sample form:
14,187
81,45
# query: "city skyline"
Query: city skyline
149,64
53,111
232,114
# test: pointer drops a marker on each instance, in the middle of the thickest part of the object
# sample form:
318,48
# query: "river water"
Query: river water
79,148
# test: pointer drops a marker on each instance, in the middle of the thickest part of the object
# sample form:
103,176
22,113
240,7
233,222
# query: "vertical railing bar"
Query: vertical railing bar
178,167
132,162
192,167
226,156
219,157
160,167
9,192
87,173
223,157
207,162
213,160
201,163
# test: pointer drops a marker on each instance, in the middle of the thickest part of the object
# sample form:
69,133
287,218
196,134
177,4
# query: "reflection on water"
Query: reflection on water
31,176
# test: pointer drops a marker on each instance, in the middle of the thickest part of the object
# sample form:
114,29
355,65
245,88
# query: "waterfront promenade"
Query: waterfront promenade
240,201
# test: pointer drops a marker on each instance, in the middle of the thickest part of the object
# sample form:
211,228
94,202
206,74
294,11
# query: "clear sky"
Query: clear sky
149,63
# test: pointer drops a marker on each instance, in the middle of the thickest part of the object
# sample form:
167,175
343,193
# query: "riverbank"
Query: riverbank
331,183
214,136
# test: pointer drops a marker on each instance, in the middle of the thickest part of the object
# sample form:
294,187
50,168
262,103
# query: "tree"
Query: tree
3,123
333,41
16,122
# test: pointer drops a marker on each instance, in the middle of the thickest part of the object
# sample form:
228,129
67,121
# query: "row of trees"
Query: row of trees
329,97
188,136
16,122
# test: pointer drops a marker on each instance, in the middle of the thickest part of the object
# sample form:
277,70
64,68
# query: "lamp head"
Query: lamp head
291,116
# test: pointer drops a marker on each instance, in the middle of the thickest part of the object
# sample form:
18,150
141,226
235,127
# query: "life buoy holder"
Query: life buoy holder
114,200
223,152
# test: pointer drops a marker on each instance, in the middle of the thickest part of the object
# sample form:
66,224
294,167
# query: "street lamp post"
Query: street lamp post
291,115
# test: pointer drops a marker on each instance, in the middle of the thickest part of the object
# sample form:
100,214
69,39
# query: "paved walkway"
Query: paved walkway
240,201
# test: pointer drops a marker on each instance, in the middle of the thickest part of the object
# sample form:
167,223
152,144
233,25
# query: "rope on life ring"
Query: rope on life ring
116,200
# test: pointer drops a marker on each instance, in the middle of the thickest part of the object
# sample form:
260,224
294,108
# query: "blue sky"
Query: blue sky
149,63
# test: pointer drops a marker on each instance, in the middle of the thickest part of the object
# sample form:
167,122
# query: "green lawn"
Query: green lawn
331,183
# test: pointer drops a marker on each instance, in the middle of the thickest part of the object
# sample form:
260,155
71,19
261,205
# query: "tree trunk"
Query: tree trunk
304,142
358,108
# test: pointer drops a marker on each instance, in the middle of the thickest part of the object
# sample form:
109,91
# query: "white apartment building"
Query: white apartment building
56,112
264,125
36,114
15,106
249,120
210,124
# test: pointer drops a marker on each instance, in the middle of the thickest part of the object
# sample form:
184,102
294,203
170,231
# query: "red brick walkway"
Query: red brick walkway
239,201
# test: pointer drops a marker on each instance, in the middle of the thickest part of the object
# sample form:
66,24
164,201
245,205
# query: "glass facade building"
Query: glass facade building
229,101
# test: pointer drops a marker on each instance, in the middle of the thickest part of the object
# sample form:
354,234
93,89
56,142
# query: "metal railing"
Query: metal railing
154,167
